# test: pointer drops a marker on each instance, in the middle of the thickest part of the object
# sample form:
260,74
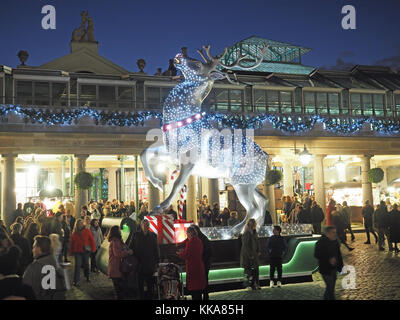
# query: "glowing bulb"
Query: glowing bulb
179,124
189,120
168,127
198,116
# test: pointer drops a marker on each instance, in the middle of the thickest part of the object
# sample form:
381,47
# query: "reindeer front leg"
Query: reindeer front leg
185,171
145,157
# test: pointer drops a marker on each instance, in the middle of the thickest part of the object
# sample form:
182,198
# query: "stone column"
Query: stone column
8,204
112,183
81,196
319,181
71,177
366,185
63,184
191,212
122,160
287,178
213,192
269,192
153,196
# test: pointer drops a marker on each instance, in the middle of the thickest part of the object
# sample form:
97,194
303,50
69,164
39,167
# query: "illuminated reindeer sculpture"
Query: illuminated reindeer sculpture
191,143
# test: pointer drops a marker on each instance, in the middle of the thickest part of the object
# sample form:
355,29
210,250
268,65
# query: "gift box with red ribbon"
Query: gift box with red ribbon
163,226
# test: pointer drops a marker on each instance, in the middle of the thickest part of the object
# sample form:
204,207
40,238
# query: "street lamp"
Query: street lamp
305,156
33,167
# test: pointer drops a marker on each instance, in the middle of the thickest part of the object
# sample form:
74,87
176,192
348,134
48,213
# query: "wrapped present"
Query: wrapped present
180,227
163,226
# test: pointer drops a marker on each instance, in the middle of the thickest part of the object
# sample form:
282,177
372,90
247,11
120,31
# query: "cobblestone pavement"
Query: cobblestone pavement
377,278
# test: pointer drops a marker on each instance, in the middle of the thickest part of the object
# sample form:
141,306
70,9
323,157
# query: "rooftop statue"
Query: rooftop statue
83,33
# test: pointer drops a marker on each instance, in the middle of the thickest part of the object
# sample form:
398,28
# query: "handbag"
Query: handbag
128,264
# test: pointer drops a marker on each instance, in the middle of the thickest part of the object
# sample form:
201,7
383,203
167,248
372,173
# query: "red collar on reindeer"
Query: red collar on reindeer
183,122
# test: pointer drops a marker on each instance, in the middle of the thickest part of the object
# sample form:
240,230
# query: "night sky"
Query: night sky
156,30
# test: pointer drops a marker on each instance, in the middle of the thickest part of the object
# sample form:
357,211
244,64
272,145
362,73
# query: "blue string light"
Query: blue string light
284,123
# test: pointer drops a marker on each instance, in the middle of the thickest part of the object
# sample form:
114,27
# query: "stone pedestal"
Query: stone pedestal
8,184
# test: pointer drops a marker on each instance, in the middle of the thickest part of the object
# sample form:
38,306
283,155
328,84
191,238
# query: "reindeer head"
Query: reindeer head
196,70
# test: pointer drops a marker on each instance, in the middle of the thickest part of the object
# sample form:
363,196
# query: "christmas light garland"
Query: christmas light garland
284,123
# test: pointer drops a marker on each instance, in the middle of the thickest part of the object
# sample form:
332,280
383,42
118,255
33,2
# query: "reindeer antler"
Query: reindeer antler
240,58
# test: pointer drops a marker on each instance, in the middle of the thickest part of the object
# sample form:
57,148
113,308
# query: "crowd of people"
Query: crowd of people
40,237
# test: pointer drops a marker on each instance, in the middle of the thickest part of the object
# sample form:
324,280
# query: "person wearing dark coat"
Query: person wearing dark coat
267,218
276,247
67,236
23,243
317,216
249,255
327,251
382,222
367,213
11,284
394,228
145,248
304,216
340,224
195,272
207,253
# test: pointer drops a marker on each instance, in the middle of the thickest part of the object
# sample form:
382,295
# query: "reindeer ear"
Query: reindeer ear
215,75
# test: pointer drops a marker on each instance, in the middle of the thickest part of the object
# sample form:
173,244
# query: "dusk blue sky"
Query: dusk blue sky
156,30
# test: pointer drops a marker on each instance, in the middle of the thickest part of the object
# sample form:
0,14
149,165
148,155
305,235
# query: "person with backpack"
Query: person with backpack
276,247
34,276
317,216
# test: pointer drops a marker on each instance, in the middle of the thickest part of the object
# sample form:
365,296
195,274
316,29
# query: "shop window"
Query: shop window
397,104
379,105
1,91
286,102
367,104
273,101
222,99
260,100
356,108
88,95
24,93
107,97
236,100
333,99
322,103
309,102
125,97
153,97
59,94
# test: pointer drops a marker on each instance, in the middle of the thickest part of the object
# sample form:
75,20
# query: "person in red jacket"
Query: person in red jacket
117,251
193,255
81,246
331,207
